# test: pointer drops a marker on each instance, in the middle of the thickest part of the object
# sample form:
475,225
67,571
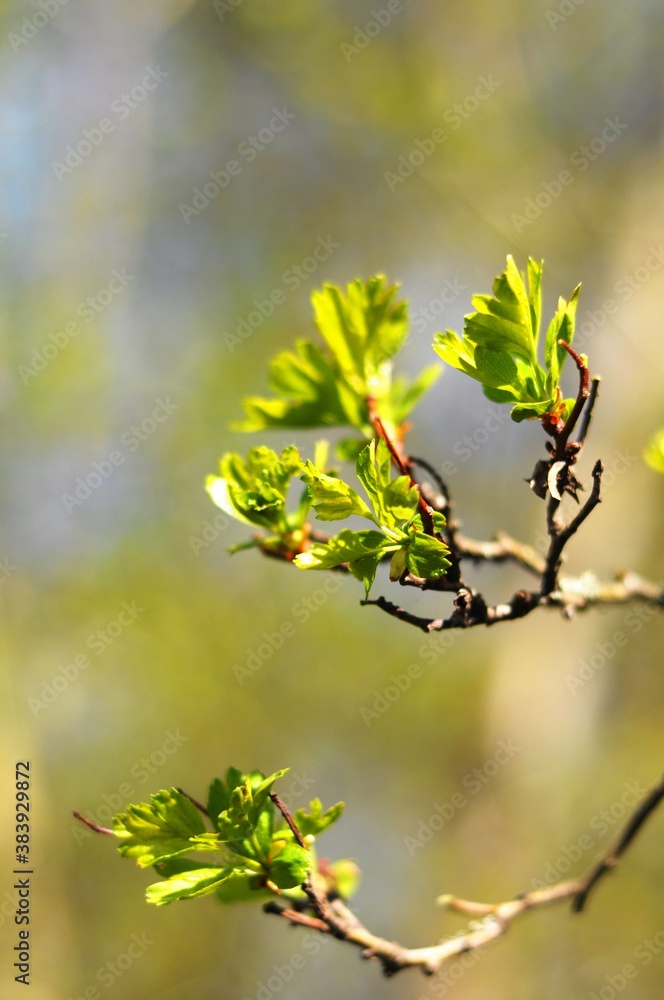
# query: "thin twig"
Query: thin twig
610,858
582,396
560,539
489,920
91,825
588,412
199,805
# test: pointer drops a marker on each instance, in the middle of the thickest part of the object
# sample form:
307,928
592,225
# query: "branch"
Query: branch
582,396
495,919
573,594
588,412
560,538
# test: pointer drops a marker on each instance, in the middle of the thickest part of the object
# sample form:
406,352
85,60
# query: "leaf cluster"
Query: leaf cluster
256,854
363,329
499,347
394,510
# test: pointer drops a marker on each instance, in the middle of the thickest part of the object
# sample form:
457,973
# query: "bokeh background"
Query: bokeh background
520,90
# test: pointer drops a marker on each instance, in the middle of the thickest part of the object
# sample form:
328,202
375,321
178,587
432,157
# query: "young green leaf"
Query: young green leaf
311,823
561,327
332,498
166,826
426,557
499,346
253,490
188,885
290,867
363,327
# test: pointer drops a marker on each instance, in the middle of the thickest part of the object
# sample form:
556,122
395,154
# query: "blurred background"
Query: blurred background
167,168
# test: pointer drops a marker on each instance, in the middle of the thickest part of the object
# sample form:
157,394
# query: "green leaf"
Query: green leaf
290,867
373,471
654,451
398,565
253,490
168,825
188,885
499,346
496,368
332,498
309,394
313,822
218,797
394,501
242,887
363,327
362,550
243,818
504,321
345,547
535,295
426,557
561,327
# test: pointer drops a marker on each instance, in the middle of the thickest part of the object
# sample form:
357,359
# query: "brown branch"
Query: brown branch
199,805
573,594
502,548
91,825
582,396
560,538
588,412
610,859
489,920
